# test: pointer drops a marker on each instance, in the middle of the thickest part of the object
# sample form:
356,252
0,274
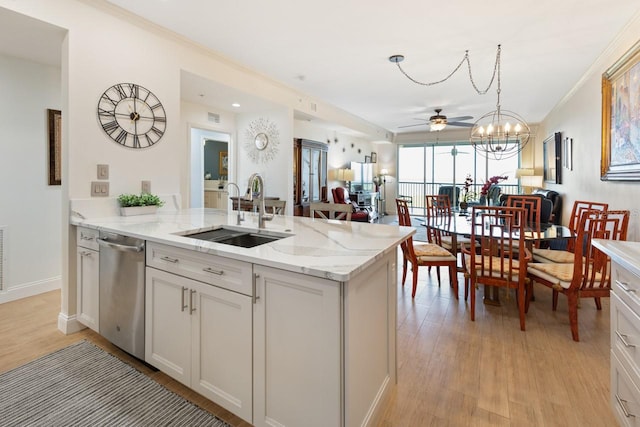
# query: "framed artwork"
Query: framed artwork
54,124
620,153
567,153
367,159
374,157
224,163
553,159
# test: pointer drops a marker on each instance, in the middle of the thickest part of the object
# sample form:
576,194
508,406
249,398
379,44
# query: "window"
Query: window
424,168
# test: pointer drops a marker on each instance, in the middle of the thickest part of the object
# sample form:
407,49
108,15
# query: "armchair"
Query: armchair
341,196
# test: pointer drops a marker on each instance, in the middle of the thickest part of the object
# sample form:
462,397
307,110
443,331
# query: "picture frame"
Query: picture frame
54,127
620,148
374,157
567,153
223,165
367,159
552,159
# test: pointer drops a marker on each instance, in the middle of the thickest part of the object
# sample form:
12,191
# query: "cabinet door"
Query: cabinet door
297,354
168,324
210,199
221,346
88,262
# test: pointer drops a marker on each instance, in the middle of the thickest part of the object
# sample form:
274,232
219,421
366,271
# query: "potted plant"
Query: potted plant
467,195
134,204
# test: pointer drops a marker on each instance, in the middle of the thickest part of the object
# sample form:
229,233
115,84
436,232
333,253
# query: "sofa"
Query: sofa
556,203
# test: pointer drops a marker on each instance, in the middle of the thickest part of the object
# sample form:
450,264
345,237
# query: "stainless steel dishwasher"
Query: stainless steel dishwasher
122,291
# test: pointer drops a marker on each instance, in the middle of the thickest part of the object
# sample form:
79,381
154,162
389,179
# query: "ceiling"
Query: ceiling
337,50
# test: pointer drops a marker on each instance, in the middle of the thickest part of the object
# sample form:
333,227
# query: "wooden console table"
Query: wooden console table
246,205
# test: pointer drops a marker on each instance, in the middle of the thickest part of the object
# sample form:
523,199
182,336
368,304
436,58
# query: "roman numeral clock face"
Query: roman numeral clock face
132,115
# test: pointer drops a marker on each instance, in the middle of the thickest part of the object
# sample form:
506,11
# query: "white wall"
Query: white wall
578,116
106,46
31,209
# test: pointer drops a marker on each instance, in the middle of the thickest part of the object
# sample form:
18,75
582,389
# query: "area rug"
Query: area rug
82,385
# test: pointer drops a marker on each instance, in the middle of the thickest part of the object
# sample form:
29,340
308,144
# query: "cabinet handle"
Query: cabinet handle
623,338
169,259
624,286
83,237
85,253
622,404
211,270
254,294
183,306
192,307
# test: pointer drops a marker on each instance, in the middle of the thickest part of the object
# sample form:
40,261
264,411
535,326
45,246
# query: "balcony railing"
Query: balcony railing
418,190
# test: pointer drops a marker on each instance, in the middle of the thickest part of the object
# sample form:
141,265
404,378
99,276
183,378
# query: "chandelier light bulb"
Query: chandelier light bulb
490,129
507,128
518,128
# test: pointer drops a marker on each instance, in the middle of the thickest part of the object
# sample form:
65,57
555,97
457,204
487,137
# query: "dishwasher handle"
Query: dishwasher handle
120,247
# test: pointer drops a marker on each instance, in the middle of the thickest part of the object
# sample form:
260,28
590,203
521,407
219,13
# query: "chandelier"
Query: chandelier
499,134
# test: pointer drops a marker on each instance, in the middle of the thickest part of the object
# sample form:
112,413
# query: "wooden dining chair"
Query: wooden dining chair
331,211
275,207
588,275
497,255
425,254
532,206
438,207
566,256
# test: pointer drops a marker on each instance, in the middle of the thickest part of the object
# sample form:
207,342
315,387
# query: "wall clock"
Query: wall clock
261,140
132,115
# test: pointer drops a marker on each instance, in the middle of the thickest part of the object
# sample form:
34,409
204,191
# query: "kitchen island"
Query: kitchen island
297,331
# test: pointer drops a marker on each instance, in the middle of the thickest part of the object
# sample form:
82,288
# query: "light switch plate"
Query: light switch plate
103,171
146,187
99,189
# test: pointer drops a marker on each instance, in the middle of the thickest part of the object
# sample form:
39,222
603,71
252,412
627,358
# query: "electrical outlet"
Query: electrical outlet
103,171
146,187
99,189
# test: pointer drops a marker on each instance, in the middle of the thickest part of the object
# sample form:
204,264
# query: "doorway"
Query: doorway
210,163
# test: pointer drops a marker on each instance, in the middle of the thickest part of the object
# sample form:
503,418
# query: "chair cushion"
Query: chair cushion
493,264
446,241
553,256
432,252
556,274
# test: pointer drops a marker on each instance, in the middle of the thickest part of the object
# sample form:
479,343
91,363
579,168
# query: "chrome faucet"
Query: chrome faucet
239,197
262,216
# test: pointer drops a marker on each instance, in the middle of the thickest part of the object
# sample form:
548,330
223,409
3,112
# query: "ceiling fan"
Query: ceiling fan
439,121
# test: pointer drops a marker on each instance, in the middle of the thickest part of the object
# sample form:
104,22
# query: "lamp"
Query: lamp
348,175
531,181
383,174
499,133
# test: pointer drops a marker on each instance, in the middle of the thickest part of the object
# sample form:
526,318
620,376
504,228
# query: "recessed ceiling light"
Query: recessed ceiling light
235,105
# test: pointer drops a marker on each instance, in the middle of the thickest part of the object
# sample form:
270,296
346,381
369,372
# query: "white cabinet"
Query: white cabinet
297,363
625,346
200,334
216,199
88,292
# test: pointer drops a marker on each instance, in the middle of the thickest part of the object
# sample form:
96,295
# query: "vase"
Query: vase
138,210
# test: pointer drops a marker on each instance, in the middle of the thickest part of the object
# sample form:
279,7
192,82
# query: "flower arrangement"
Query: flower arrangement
468,196
491,181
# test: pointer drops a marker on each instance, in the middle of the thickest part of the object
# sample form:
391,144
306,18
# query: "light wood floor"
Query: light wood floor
452,372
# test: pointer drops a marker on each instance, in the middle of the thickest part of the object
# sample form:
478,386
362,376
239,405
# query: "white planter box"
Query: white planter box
138,210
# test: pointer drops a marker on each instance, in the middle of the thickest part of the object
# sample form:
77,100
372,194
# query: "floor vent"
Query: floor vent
3,233
213,117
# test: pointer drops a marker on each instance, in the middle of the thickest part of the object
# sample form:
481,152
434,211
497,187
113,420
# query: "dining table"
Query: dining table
460,224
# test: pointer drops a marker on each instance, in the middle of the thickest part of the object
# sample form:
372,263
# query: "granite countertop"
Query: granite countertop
625,253
335,250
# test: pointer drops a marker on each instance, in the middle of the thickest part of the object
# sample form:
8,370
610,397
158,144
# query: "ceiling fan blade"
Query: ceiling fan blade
455,119
418,124
461,124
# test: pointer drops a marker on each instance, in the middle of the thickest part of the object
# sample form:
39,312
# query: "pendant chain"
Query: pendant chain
496,71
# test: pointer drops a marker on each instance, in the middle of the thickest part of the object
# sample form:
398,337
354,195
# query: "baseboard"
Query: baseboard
69,324
30,289
376,411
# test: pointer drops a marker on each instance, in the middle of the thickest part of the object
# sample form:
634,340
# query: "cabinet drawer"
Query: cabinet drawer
625,395
87,238
625,334
626,285
226,273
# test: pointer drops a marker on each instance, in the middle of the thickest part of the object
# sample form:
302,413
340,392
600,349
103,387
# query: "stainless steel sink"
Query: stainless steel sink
238,237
